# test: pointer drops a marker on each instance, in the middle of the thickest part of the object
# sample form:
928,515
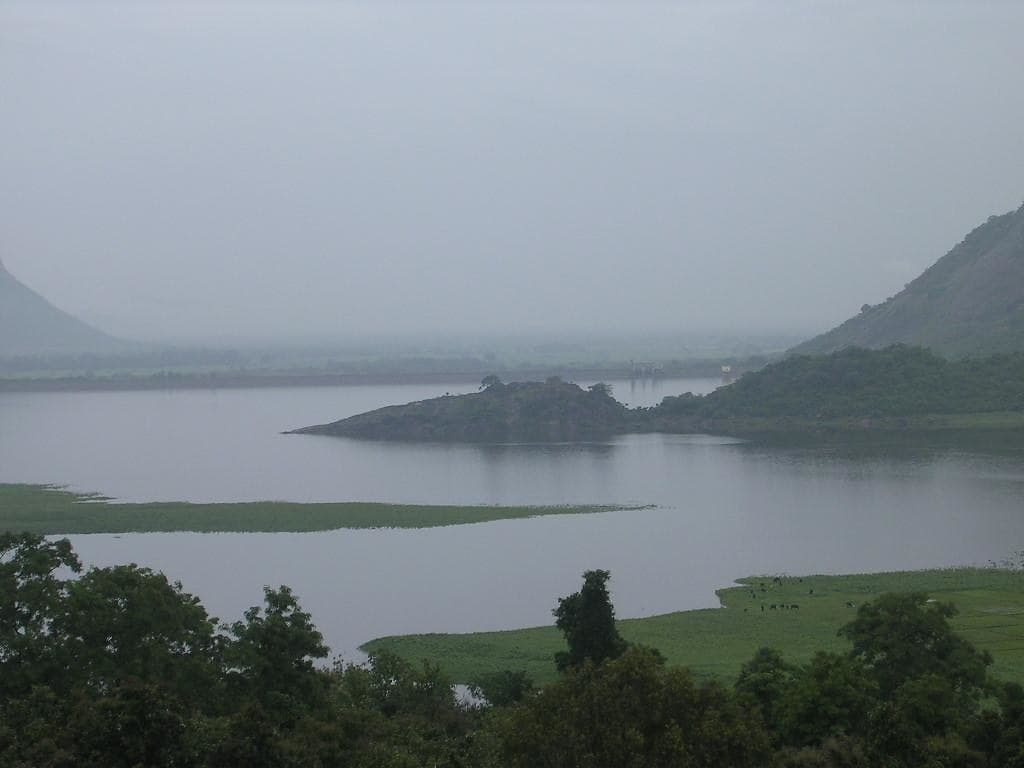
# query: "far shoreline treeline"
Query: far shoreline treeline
227,379
898,388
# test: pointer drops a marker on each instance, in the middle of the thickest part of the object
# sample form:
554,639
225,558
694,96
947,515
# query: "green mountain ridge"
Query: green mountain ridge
30,325
970,302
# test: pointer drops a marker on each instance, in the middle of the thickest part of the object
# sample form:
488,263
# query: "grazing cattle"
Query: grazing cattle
795,607
745,610
810,592
773,606
850,604
762,607
776,580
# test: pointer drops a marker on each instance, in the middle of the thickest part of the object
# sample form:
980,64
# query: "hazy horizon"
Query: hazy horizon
270,171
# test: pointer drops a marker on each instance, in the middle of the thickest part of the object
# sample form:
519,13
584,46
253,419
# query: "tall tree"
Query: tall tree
587,619
273,651
31,597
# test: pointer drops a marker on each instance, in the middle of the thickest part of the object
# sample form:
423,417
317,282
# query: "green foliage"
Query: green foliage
718,642
762,682
829,697
904,637
31,596
897,381
553,410
48,510
125,623
587,619
631,712
502,689
272,653
120,668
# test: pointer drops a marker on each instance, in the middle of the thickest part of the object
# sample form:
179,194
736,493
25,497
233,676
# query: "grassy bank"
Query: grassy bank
1009,422
49,510
717,642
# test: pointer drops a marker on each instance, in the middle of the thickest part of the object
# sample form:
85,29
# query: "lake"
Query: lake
725,508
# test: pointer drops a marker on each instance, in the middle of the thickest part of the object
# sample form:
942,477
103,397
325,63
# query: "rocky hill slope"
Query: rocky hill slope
552,411
970,302
31,326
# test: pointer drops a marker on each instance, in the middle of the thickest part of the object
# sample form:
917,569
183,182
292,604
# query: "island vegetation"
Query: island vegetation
117,667
48,510
898,388
549,411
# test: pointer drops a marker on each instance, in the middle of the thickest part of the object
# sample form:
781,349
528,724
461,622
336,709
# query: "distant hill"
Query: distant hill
858,383
970,302
551,411
30,325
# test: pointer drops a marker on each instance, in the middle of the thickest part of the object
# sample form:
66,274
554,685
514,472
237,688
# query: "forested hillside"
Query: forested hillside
896,381
971,301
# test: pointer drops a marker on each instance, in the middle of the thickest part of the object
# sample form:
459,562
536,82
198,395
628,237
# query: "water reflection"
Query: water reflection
727,508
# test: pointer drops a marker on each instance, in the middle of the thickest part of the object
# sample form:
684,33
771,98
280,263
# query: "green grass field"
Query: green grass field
717,642
49,510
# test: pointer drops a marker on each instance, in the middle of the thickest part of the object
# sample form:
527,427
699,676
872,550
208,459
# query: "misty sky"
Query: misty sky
222,170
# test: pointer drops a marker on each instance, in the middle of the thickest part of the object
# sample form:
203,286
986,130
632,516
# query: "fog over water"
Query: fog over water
220,171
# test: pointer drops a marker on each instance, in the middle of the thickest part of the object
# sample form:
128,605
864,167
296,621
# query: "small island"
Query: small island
896,389
548,411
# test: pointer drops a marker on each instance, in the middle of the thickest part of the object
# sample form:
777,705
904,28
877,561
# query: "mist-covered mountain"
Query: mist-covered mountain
970,302
30,325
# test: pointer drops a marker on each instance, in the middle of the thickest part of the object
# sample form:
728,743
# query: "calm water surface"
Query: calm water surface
727,509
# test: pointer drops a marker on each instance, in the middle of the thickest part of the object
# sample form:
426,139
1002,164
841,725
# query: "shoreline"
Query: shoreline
170,380
55,511
800,616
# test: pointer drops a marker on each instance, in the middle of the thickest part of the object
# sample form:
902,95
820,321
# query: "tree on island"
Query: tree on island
491,380
587,619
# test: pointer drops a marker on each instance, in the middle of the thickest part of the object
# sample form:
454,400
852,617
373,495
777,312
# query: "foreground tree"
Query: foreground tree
631,712
31,596
903,637
587,619
273,652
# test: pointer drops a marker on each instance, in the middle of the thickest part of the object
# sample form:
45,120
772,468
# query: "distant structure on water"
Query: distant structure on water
727,377
642,370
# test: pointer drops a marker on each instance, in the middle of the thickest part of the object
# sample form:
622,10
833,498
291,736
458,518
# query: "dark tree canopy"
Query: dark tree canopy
901,637
119,668
491,380
587,619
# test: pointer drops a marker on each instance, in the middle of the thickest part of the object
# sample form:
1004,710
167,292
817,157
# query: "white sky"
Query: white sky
288,169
